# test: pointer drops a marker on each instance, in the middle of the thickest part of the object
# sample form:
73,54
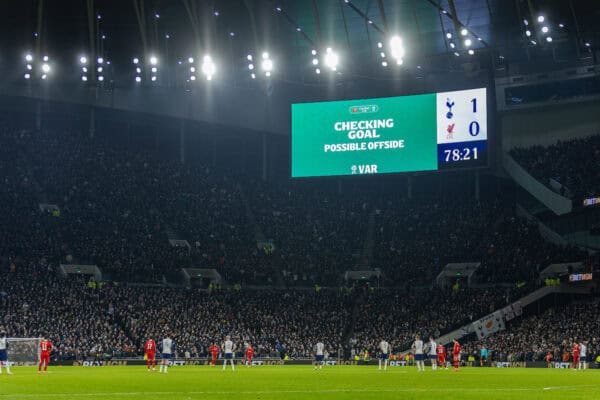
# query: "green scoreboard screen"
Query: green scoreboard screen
425,132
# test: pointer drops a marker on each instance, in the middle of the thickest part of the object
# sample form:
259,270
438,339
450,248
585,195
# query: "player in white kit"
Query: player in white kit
432,352
4,353
228,348
582,356
319,355
385,350
167,353
419,356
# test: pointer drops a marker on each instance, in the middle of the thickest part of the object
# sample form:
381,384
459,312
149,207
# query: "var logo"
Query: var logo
364,169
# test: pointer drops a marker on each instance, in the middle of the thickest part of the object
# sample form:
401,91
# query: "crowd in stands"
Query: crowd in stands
553,332
572,163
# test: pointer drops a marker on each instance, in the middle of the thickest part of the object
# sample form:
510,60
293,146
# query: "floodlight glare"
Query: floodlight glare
193,78
397,47
468,42
471,52
540,18
153,78
315,61
317,71
448,35
331,59
153,60
314,52
136,60
138,79
138,70
192,69
45,68
267,65
250,67
29,58
528,33
84,78
384,63
44,76
249,57
100,69
29,67
549,39
84,69
101,78
100,60
45,58
27,76
464,32
265,55
253,76
83,60
208,67
545,29
191,60
154,69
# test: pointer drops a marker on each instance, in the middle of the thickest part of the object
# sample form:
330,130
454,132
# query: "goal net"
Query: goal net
23,349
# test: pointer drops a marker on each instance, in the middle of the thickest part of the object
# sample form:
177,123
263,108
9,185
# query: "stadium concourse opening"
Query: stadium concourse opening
182,215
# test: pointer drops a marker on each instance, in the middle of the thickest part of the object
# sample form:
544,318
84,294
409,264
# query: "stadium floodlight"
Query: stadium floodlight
379,45
84,78
153,60
331,59
138,79
82,60
464,32
525,22
382,54
315,61
28,58
452,45
208,67
191,60
193,77
101,78
267,64
136,60
45,68
471,52
29,67
250,67
27,76
540,18
545,29
84,69
317,71
384,63
448,35
561,25
100,69
100,60
456,54
153,78
397,49
528,33
138,70
253,76
192,69
313,52
45,58
549,39
154,70
44,76
249,57
468,42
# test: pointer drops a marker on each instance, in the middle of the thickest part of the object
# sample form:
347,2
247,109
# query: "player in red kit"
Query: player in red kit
456,354
214,353
249,355
575,355
150,352
45,349
441,354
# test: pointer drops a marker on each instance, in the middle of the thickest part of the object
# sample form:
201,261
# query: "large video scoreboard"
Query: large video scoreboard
425,132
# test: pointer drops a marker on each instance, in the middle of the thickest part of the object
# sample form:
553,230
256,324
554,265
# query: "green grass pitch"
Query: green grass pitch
298,382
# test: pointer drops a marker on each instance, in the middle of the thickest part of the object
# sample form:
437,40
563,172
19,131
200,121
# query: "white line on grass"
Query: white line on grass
318,391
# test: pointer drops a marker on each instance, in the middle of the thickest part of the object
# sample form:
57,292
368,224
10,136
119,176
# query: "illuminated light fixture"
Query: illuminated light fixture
464,32
452,45
153,60
533,42
136,60
299,29
468,42
471,52
525,22
27,76
84,69
44,76
549,39
278,9
29,67
382,54
384,63
331,59
313,52
318,71
250,67
192,69
45,58
100,60
448,35
315,61
253,76
456,53
587,44
397,49
28,58
138,79
528,33
540,18
84,78
561,25
100,69
101,78
154,69
208,67
193,78
249,57
45,68
83,60
545,29
153,78
138,70
379,45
